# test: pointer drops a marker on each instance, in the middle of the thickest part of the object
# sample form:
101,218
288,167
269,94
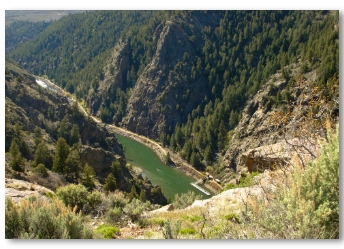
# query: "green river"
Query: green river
171,181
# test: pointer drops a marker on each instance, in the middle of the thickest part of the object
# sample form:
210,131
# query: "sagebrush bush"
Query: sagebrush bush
73,195
233,217
117,199
94,201
78,196
185,199
113,215
171,230
39,219
309,207
246,181
135,208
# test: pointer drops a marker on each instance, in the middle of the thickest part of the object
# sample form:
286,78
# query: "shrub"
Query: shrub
36,219
171,231
94,199
233,217
309,207
135,208
185,199
117,199
156,221
73,195
40,169
113,214
195,218
246,181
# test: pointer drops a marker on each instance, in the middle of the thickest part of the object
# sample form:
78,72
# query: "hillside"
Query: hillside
38,119
182,77
246,100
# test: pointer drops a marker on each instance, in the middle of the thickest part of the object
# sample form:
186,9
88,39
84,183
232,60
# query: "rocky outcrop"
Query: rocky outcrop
279,154
163,94
254,129
99,159
266,136
115,73
19,189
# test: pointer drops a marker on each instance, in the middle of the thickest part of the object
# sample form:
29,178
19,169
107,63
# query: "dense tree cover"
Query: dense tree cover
236,58
74,49
19,32
239,56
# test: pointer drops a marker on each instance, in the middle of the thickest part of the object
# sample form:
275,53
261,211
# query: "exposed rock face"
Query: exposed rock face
19,189
99,159
163,95
279,154
115,75
253,129
261,140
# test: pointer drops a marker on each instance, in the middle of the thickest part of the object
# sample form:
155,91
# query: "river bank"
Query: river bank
161,152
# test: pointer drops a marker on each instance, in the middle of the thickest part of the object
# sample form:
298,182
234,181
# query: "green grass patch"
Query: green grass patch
189,230
107,231
246,181
233,217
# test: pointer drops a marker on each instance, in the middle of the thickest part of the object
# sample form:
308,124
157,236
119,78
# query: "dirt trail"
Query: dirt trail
161,152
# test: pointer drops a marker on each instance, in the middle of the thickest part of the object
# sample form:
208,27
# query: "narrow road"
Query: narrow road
156,147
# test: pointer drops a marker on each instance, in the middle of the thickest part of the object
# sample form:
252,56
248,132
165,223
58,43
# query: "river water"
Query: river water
171,181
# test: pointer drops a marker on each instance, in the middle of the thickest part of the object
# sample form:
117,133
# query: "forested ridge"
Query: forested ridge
220,89
234,57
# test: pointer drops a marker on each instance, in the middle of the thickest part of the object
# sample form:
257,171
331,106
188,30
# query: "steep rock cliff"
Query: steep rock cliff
280,122
163,95
115,71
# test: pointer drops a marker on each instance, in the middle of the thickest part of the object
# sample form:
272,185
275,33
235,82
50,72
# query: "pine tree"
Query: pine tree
208,157
72,164
110,183
195,160
173,143
116,169
63,129
74,135
61,154
18,135
133,193
41,154
222,136
142,196
88,177
233,119
17,162
37,136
